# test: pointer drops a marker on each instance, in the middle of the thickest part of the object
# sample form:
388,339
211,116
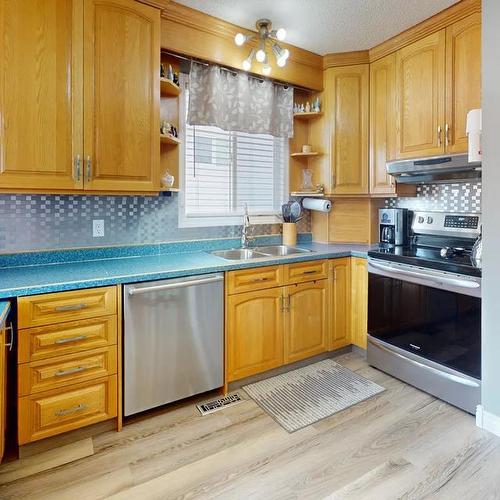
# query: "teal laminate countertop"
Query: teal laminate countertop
19,277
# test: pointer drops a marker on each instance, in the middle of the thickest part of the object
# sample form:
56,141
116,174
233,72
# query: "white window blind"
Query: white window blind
223,170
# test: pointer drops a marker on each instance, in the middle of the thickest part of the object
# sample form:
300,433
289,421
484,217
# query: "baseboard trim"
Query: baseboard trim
487,421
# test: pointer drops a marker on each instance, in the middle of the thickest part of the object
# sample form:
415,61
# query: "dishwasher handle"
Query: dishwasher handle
173,286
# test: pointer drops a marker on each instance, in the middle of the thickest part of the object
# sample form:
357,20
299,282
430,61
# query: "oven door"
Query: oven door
431,315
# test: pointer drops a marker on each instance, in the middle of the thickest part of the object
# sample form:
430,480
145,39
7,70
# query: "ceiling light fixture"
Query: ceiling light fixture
265,34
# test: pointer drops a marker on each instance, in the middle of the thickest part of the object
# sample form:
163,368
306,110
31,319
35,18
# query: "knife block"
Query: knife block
289,234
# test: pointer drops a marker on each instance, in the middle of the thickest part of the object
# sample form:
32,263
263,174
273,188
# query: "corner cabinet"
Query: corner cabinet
382,123
346,93
79,95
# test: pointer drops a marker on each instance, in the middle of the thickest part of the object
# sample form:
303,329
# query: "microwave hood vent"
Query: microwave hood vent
435,169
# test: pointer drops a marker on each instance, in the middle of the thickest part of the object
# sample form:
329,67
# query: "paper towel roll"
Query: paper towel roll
320,205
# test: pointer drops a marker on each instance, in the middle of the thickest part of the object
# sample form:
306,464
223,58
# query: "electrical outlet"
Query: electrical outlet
97,228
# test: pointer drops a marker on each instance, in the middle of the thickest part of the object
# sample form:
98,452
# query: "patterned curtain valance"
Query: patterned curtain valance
239,102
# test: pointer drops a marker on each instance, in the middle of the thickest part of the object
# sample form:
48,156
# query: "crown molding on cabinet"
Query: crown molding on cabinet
345,59
435,23
159,4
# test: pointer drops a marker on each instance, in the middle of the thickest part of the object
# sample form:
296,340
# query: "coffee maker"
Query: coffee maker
394,226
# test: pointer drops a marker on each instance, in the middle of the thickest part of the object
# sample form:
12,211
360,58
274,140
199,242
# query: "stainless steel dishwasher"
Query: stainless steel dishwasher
173,341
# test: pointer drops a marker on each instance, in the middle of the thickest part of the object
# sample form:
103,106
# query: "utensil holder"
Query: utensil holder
289,234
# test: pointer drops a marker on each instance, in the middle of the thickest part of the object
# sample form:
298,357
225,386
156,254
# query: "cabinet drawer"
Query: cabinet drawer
66,338
246,280
53,308
58,411
302,272
66,370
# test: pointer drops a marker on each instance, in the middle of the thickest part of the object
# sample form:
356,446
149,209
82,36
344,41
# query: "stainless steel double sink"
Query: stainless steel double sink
259,252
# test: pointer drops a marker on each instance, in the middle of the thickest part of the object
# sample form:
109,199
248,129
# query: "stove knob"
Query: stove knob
420,220
430,220
446,252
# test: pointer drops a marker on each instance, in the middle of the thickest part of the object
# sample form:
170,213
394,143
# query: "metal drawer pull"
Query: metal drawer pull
312,271
10,345
71,339
71,307
77,168
257,280
69,411
439,141
89,168
70,371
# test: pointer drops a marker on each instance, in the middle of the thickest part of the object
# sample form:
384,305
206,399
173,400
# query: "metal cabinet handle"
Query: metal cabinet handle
70,371
312,271
259,280
439,136
282,303
10,329
287,303
69,411
77,168
447,134
88,166
173,286
67,340
70,307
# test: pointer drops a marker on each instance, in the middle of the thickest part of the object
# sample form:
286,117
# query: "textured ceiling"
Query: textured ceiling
325,26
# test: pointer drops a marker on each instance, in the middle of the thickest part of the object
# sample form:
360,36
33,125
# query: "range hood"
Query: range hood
435,169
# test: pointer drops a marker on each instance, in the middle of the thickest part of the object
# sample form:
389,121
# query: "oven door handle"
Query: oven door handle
449,376
437,280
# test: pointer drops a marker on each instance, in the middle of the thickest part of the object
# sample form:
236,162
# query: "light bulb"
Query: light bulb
266,69
281,34
286,54
240,39
247,65
260,56
281,61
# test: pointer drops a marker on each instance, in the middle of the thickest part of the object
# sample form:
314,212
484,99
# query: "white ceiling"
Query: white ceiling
325,26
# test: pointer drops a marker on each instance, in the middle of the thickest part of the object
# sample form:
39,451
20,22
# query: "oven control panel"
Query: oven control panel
463,221
447,224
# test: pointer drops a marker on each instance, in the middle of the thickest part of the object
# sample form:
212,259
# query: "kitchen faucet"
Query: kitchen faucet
246,229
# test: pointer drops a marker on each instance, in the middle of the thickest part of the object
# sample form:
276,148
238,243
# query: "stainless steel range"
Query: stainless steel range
424,308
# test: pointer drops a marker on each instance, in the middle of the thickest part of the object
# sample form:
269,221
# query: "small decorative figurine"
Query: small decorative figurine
170,73
167,179
308,107
176,78
302,109
165,128
316,105
163,72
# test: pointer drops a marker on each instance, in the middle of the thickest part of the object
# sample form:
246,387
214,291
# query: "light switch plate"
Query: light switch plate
98,228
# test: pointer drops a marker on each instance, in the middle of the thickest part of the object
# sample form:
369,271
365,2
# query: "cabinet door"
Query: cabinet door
383,123
254,332
122,92
348,93
3,390
359,301
306,321
340,303
420,92
41,134
463,79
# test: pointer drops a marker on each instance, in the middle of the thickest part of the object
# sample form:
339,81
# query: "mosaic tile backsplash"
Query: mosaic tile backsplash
45,222
460,197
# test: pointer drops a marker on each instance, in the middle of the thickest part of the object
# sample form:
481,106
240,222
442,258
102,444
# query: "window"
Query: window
222,170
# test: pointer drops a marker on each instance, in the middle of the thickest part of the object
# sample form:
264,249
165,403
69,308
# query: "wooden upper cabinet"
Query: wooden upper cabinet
41,49
463,79
347,94
306,323
121,82
420,91
382,123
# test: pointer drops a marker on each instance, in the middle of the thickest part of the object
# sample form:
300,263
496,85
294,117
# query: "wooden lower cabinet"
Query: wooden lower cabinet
254,329
359,301
306,320
340,302
53,412
3,389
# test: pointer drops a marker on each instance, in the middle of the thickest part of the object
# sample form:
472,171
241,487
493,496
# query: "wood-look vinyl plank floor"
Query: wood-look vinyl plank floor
402,443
